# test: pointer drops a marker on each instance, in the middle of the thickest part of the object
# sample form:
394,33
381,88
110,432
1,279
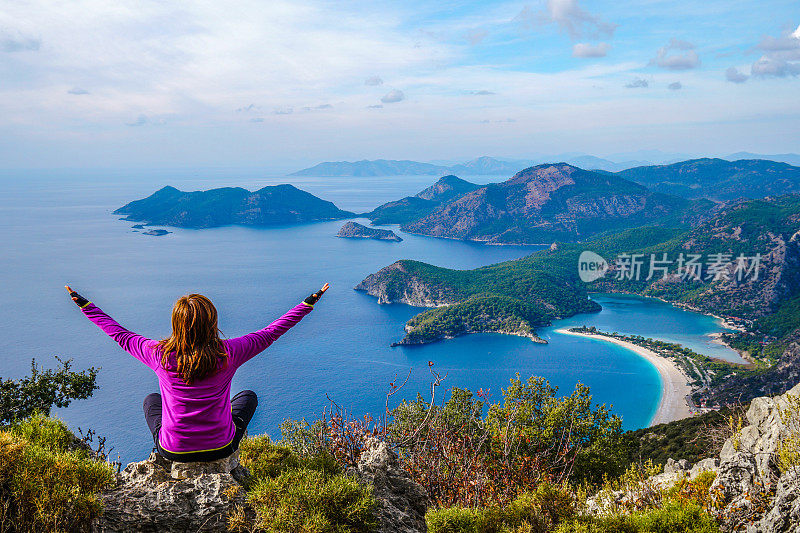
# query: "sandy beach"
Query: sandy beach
674,383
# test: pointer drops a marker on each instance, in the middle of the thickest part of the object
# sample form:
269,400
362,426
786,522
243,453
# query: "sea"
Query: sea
57,228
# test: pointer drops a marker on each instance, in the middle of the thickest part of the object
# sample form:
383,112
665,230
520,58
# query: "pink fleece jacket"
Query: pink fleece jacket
196,417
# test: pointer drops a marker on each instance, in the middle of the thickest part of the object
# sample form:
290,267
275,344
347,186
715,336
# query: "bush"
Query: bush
46,484
671,518
308,494
463,458
789,448
40,391
538,511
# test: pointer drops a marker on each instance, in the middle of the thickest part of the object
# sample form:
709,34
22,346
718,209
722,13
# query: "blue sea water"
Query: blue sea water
57,228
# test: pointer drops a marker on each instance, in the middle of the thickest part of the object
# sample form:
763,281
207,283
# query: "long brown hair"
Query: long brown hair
195,338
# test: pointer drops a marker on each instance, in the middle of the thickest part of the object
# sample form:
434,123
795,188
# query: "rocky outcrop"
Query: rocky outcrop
354,230
399,283
402,502
749,492
160,495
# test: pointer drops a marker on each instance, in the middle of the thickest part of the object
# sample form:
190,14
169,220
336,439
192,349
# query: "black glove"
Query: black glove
80,300
314,298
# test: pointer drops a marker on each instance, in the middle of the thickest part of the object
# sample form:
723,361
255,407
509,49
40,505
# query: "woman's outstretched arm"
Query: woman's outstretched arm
138,346
242,349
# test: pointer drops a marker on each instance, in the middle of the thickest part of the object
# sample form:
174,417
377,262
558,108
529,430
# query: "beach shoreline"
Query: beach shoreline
675,389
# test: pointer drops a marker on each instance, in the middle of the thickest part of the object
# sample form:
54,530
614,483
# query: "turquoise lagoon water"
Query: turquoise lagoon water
57,229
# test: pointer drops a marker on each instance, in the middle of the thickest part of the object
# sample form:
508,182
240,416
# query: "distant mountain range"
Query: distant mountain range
540,204
482,166
278,204
719,179
792,159
490,166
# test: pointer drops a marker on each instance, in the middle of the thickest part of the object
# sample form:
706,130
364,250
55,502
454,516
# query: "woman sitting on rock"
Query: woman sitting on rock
194,417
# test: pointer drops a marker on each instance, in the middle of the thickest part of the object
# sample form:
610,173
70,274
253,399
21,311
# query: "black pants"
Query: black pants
243,407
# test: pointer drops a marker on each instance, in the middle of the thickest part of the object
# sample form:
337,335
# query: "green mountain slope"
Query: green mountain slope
719,179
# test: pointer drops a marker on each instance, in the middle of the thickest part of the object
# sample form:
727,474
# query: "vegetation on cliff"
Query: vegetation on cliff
478,314
290,492
48,482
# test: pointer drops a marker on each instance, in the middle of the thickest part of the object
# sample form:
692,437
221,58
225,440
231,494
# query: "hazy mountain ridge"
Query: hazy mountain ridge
719,179
277,204
481,166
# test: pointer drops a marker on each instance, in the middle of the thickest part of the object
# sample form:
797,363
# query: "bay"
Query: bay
56,228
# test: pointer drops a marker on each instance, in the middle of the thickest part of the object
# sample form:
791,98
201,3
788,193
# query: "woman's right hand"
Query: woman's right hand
314,298
77,298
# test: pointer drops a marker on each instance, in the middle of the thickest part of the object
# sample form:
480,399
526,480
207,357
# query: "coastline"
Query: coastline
675,390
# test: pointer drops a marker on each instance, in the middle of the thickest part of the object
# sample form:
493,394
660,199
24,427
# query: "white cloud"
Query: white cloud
675,86
767,66
373,81
77,91
733,75
476,36
11,42
638,83
393,96
676,61
590,50
781,56
570,18
482,93
141,120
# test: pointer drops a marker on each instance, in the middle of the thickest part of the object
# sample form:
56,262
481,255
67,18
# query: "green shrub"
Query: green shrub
307,494
43,389
538,511
46,484
789,447
454,520
671,518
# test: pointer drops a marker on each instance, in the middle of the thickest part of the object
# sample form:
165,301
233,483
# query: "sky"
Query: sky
286,84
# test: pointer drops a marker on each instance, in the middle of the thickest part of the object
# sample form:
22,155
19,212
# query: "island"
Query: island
156,232
354,230
269,206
